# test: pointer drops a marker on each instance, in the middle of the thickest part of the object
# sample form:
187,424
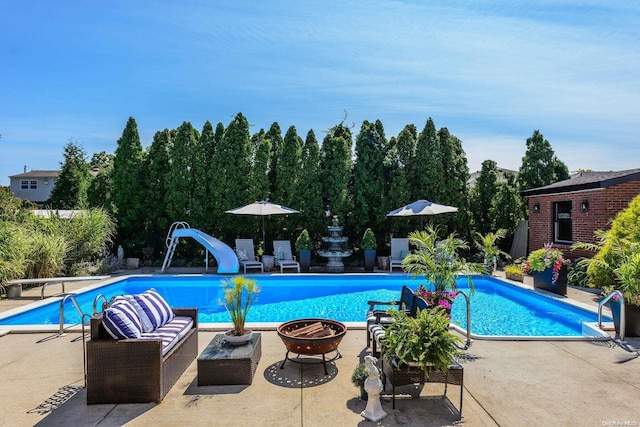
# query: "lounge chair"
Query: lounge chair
247,256
283,256
399,250
377,316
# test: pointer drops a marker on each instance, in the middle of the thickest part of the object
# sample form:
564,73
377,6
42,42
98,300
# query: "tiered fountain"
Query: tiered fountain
334,253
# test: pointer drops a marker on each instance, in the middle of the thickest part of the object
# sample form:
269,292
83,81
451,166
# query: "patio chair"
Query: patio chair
247,256
399,250
283,255
380,317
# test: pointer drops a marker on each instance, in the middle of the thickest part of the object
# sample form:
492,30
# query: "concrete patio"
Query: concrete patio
506,383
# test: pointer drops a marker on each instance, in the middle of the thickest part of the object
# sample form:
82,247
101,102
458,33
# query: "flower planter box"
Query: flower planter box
631,318
514,276
544,280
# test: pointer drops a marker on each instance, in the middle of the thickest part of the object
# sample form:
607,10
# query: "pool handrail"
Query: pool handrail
466,297
622,318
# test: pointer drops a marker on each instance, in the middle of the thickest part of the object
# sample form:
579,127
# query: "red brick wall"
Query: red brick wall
604,205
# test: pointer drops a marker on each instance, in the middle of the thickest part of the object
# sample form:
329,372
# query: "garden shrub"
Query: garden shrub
625,229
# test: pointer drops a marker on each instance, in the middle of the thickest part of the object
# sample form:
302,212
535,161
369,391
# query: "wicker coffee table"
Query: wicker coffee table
224,364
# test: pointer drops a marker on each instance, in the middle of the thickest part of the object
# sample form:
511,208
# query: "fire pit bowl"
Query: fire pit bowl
326,340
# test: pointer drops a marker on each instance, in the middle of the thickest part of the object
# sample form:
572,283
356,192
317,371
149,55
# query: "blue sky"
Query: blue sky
490,71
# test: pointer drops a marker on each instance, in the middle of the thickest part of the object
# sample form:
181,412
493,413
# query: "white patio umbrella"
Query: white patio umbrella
262,208
421,208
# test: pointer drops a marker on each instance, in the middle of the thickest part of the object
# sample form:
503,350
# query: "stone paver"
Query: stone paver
506,383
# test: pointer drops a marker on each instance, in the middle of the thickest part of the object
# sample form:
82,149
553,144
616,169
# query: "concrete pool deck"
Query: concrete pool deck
527,383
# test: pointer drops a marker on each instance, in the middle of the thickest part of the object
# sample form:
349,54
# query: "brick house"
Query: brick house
35,185
569,211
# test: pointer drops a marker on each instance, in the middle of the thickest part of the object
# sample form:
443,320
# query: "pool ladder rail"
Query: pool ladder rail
466,297
619,295
171,243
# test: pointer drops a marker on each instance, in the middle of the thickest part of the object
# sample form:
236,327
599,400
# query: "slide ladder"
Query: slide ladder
224,255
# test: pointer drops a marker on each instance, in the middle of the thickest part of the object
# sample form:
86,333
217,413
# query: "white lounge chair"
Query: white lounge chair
247,256
283,255
399,250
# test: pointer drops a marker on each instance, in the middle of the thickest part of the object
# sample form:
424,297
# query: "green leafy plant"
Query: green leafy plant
359,375
424,340
547,257
577,274
303,242
438,261
368,240
513,272
239,294
487,244
628,275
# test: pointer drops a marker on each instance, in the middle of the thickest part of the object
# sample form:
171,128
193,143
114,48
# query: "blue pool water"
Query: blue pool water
497,308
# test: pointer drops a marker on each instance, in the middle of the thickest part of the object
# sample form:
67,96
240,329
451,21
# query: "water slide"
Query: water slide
224,255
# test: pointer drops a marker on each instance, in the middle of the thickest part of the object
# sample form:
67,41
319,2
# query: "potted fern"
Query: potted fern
368,245
358,378
423,342
304,246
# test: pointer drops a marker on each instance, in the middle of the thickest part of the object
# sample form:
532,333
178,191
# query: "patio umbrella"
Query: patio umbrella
422,207
262,208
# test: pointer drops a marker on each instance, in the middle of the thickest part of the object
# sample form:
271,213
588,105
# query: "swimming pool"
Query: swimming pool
498,309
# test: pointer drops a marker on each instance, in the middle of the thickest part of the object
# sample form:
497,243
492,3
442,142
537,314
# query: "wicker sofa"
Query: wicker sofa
136,370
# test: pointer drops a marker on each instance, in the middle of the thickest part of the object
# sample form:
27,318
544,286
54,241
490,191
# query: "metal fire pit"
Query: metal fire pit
311,346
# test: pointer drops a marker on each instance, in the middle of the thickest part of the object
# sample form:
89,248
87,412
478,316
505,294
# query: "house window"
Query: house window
562,222
26,184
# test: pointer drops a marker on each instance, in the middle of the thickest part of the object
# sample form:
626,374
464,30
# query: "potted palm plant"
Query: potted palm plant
304,246
368,245
439,261
487,243
239,294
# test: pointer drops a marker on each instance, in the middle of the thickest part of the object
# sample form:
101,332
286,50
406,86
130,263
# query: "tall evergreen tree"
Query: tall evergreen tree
455,187
260,186
70,189
156,168
368,178
201,167
101,188
428,165
312,209
127,192
233,164
539,164
274,135
336,170
288,181
484,193
507,206
181,182
397,191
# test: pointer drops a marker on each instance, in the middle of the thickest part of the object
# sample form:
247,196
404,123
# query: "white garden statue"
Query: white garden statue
373,387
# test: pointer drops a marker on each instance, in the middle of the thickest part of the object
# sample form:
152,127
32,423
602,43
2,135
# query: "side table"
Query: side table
225,364
268,261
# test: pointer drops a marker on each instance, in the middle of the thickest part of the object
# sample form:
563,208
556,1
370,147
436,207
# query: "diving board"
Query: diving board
224,254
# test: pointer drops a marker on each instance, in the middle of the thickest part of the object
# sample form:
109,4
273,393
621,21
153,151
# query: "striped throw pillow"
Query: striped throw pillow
121,321
147,326
155,307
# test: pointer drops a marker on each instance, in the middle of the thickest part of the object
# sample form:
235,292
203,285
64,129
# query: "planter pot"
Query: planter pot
383,263
631,318
514,276
363,394
238,339
543,280
133,263
369,259
305,260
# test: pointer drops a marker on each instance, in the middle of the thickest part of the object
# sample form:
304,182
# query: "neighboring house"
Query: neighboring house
502,176
35,186
569,211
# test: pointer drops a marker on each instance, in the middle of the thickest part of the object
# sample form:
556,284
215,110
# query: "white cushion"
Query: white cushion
155,307
121,321
147,326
